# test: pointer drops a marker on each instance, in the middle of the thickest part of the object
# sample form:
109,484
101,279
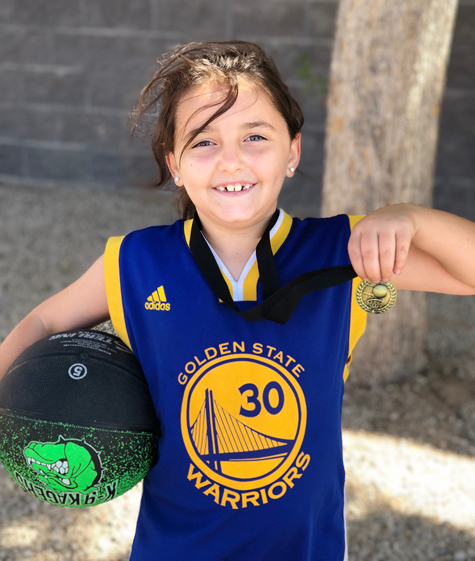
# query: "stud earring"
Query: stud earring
292,169
177,178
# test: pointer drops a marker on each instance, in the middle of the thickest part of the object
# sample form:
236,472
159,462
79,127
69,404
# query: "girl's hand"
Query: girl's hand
379,243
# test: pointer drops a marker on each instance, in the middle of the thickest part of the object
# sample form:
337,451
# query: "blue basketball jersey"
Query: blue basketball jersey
250,453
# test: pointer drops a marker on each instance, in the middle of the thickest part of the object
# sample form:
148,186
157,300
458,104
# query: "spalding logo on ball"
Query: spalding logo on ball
77,423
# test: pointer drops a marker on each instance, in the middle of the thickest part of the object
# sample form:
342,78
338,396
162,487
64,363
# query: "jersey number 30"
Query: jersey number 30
253,399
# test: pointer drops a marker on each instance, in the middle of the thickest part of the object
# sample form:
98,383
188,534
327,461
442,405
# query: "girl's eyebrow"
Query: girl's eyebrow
251,125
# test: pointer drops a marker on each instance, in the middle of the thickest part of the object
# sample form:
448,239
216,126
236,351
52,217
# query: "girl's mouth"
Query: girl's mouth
235,188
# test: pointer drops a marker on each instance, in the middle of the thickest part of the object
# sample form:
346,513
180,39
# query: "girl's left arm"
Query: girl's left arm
416,247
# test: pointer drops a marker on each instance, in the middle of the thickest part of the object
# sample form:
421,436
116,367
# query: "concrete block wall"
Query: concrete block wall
71,71
455,171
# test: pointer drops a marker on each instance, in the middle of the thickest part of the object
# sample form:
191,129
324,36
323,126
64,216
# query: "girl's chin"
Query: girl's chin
249,218
237,211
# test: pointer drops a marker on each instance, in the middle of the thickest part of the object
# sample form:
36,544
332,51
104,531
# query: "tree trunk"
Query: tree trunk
386,83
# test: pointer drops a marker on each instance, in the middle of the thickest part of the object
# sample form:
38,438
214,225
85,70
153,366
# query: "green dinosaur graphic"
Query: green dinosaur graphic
65,465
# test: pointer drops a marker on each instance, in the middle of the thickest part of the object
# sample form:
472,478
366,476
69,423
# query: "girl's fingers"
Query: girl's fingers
354,251
378,250
370,253
387,251
403,243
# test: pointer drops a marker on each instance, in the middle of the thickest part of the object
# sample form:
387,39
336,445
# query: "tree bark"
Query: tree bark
386,84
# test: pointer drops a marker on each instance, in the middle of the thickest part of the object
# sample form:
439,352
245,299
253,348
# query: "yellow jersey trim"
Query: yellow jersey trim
249,287
187,230
357,315
228,282
281,235
113,289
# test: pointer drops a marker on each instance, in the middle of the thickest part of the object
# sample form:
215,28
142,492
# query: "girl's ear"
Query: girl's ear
294,155
173,167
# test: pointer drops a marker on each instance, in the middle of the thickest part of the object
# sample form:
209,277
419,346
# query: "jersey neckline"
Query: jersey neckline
245,288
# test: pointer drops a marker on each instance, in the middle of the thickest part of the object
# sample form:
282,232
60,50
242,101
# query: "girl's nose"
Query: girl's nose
230,159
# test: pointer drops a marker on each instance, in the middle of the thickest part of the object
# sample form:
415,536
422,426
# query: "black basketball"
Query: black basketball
77,423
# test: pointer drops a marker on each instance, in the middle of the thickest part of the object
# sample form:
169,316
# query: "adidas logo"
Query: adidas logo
158,301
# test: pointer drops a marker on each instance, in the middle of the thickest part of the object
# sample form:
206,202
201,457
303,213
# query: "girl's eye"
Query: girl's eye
200,143
208,142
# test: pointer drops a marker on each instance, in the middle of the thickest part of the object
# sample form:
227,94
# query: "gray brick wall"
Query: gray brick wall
70,72
455,171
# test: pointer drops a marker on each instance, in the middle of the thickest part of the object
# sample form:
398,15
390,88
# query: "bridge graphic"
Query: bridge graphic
219,437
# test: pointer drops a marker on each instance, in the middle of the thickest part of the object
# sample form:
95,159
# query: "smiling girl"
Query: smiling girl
244,319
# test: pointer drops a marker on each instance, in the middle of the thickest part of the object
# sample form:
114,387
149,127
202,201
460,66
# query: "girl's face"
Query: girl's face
233,171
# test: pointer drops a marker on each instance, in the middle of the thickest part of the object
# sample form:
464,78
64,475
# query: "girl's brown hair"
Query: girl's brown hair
195,64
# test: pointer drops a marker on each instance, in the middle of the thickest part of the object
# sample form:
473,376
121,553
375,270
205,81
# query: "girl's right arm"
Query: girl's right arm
82,304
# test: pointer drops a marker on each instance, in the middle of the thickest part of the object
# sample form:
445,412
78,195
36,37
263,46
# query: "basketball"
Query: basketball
77,424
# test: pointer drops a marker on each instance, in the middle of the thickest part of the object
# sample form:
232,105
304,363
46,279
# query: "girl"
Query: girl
245,360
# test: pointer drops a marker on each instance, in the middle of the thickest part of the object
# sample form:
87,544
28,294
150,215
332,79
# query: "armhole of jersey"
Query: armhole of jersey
357,315
113,289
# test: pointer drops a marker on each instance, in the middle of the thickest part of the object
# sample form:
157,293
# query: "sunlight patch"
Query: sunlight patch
408,477
19,536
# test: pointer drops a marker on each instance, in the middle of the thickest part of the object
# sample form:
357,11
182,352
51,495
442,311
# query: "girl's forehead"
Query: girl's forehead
200,102
215,89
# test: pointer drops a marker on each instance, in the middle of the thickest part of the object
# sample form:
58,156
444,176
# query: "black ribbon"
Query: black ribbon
279,302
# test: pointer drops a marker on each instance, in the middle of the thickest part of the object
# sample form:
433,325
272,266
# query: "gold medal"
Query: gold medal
376,298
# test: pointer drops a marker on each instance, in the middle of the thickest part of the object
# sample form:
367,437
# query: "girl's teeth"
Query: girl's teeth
234,187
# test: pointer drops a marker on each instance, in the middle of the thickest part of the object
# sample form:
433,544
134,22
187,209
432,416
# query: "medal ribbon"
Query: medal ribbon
279,303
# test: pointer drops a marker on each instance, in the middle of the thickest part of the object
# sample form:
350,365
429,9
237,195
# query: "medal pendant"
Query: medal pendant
376,298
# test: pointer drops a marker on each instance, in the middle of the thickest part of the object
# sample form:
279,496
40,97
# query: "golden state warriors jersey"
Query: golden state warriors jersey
250,453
